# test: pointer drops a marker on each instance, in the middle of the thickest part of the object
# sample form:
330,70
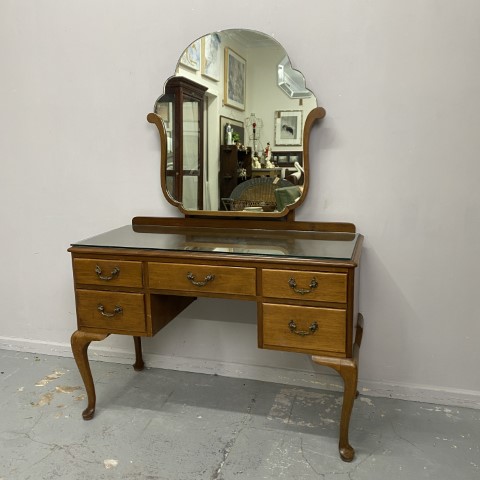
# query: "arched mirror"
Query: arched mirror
234,124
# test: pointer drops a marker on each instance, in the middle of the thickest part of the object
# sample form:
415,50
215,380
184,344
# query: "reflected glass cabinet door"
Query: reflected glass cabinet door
183,105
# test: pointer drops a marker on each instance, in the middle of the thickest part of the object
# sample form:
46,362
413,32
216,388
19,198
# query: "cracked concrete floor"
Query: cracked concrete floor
168,425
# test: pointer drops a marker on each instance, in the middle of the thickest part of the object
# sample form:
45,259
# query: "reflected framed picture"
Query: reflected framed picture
288,127
235,80
237,127
211,56
191,56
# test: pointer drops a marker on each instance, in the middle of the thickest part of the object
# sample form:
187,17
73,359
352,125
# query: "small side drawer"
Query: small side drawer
315,286
113,311
304,329
108,272
202,278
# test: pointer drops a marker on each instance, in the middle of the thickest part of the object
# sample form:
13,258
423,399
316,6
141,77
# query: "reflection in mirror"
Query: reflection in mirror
234,140
291,81
181,108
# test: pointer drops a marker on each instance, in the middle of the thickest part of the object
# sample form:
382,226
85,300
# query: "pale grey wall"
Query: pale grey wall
398,155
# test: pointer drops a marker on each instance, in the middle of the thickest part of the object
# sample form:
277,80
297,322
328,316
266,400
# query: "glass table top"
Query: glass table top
299,244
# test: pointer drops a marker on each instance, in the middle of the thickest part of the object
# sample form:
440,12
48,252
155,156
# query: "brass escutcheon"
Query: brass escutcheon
208,278
115,272
303,333
302,291
117,310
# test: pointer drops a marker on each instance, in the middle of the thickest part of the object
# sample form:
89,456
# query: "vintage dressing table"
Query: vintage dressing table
303,275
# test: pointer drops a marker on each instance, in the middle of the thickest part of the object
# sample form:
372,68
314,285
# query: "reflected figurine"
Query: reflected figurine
255,161
228,134
268,152
268,156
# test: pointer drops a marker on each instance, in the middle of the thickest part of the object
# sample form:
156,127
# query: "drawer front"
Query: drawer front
304,329
315,286
202,278
108,272
113,311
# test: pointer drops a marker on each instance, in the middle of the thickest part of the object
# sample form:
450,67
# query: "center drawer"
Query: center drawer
202,278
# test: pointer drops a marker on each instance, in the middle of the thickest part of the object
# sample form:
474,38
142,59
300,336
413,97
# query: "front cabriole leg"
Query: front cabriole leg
349,373
348,369
80,342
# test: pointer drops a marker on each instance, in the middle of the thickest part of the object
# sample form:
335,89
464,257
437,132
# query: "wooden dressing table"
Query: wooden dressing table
303,276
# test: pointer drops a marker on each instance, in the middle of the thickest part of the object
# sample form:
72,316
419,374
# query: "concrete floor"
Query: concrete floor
168,425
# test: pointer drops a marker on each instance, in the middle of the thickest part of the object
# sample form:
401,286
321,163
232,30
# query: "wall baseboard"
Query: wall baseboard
325,381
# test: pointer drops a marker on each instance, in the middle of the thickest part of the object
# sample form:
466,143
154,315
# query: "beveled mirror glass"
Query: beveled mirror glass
234,123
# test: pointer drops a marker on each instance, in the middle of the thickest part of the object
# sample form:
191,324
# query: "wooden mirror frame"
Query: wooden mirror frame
232,206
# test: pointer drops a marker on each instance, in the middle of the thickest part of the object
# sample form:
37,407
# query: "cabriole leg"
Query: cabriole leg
349,373
348,369
80,342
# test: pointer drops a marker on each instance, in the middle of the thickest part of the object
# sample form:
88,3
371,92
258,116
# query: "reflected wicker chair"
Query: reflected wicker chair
257,192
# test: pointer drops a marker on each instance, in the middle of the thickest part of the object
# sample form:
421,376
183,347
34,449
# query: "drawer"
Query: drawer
114,311
304,329
202,278
108,272
316,286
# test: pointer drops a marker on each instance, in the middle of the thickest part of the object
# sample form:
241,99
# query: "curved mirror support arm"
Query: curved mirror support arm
316,114
158,122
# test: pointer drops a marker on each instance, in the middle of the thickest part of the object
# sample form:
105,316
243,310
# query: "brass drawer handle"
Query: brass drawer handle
303,291
98,271
311,329
207,279
117,310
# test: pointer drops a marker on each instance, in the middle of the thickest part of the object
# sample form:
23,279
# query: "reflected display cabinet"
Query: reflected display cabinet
235,168
183,108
